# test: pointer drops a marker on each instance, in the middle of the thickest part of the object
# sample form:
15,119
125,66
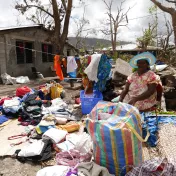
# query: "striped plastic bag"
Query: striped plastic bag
117,141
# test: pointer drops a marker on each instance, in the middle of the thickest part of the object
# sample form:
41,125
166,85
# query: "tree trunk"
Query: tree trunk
59,39
174,26
115,39
66,26
57,28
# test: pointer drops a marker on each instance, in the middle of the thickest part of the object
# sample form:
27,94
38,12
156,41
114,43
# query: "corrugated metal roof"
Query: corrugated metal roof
19,27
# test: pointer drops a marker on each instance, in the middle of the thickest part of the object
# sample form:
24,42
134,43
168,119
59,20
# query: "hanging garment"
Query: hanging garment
71,64
104,70
57,67
92,69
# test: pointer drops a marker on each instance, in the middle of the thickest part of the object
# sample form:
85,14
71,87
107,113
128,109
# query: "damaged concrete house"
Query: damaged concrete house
24,47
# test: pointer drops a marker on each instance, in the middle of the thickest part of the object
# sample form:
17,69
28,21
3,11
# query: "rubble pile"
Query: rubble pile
168,78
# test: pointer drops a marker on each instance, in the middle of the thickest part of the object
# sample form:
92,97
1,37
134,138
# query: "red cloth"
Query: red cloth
89,59
21,91
57,67
3,99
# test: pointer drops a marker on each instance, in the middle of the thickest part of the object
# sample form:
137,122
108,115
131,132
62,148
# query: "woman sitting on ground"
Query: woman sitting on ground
141,86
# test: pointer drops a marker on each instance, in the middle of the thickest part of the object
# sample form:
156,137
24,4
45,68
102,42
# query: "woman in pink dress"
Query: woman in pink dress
141,87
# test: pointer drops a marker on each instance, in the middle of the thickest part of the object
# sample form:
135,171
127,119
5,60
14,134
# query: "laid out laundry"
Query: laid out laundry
59,102
69,127
3,99
46,123
3,119
65,146
32,149
156,166
12,105
21,91
53,171
61,121
92,169
44,155
80,142
72,158
55,135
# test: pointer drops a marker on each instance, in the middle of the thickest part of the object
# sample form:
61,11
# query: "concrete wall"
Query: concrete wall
8,58
2,55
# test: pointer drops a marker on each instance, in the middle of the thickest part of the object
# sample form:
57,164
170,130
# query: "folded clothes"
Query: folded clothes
55,135
12,105
69,127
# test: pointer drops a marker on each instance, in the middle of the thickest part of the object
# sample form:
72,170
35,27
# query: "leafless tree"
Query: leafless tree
114,21
164,40
58,11
170,10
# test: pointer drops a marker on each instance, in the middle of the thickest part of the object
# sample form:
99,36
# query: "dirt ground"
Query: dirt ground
11,166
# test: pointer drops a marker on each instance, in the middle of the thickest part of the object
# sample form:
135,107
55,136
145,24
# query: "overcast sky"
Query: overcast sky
95,13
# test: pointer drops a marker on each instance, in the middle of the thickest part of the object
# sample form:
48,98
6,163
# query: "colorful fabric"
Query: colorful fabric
139,85
57,67
155,167
56,90
104,70
21,91
72,158
116,141
145,55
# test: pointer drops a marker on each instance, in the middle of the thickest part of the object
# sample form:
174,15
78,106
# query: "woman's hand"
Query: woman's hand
133,101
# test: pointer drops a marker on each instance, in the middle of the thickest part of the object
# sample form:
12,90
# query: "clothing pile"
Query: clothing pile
49,125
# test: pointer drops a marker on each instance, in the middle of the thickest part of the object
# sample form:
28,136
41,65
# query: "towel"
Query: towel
71,64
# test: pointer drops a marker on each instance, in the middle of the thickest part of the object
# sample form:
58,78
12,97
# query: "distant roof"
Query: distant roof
131,47
21,27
